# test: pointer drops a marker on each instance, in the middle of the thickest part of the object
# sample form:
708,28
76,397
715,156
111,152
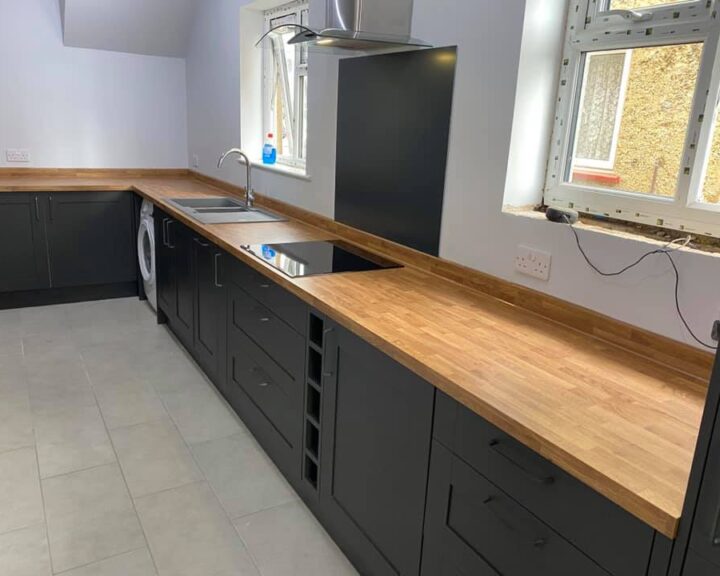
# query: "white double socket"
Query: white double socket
533,262
20,155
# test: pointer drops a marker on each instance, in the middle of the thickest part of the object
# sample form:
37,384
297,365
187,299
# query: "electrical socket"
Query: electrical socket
196,161
17,155
533,262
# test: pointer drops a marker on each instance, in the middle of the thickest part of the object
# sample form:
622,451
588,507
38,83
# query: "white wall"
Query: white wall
475,231
85,108
213,67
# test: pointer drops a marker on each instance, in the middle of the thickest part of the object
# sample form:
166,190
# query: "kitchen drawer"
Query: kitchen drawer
611,536
473,527
268,386
282,303
279,341
696,565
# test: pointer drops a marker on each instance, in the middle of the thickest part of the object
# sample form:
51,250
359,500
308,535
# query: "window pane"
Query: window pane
633,116
638,4
711,188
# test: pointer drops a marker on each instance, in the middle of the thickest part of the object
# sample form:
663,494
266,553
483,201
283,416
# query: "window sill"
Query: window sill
628,231
298,173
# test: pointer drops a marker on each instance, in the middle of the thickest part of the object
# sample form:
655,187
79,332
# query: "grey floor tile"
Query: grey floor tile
201,415
74,439
175,373
58,346
135,563
190,535
154,457
20,498
16,422
289,540
43,320
13,375
10,345
135,402
90,517
58,384
25,552
242,476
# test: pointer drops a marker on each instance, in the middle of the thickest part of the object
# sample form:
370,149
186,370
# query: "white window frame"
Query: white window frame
608,164
592,27
293,12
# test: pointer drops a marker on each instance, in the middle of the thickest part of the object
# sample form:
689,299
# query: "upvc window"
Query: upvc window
635,135
285,84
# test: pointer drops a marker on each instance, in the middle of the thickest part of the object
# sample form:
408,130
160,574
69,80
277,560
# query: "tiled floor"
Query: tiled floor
118,458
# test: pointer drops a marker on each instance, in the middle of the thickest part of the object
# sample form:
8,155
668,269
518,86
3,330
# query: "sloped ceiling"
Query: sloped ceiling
153,27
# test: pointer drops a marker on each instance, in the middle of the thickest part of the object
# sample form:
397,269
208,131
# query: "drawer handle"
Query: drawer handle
491,504
715,538
201,243
217,268
498,448
265,382
264,285
265,319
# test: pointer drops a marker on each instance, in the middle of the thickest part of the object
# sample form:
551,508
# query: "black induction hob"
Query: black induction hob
297,259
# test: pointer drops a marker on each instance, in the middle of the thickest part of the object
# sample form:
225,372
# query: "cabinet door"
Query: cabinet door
210,308
375,453
23,250
473,527
164,266
706,529
181,318
91,236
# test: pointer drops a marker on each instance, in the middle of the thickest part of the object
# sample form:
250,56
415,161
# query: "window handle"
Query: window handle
630,15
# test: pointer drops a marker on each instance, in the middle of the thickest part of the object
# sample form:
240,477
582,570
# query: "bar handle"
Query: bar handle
37,209
217,274
498,448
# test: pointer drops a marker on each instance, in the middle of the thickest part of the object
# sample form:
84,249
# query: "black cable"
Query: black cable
664,251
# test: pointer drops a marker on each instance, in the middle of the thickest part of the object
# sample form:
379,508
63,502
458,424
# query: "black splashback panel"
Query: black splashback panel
393,128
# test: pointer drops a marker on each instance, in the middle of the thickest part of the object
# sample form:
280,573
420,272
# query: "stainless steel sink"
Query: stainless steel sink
222,210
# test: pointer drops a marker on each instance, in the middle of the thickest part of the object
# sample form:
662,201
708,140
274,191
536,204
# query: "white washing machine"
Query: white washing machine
146,252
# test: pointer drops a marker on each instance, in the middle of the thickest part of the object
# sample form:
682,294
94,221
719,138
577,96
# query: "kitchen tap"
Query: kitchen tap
249,194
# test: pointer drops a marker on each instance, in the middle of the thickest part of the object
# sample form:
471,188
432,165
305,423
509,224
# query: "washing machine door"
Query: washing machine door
146,250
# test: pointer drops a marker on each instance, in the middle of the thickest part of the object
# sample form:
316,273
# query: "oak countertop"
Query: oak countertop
623,424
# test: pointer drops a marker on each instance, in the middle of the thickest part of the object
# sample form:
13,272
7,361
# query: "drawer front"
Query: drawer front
279,341
269,387
475,528
611,536
696,565
283,304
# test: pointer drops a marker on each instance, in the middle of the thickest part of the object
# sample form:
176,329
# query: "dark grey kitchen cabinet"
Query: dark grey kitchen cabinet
23,246
474,527
91,238
695,565
210,326
192,295
266,364
164,265
614,538
175,276
374,454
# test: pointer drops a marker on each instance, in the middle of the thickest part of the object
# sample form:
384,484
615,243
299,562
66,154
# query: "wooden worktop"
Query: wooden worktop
623,423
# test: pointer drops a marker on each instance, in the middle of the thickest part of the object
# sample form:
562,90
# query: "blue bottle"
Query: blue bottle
269,150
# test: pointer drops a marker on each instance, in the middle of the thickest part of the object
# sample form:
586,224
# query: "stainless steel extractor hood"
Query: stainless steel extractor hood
361,25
